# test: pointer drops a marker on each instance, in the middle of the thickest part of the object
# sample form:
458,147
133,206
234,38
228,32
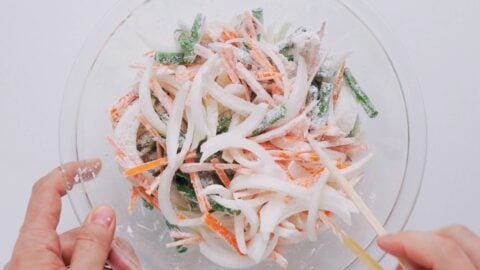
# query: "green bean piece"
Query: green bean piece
272,117
324,94
169,58
189,195
360,96
258,14
224,121
147,205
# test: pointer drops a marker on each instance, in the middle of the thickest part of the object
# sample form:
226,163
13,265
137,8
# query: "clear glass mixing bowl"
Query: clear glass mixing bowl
397,136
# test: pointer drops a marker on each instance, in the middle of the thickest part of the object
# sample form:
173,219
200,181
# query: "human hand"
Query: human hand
88,247
454,247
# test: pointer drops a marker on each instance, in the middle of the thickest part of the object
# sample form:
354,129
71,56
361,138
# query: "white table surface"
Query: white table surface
39,41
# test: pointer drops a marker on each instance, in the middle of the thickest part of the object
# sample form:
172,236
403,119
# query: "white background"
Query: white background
39,41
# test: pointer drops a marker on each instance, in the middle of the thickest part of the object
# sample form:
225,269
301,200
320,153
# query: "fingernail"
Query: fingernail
102,215
123,256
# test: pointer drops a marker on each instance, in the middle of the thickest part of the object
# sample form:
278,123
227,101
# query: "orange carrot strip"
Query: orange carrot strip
164,98
215,225
228,33
133,199
117,110
338,82
119,151
145,167
151,199
266,75
221,173
203,203
229,59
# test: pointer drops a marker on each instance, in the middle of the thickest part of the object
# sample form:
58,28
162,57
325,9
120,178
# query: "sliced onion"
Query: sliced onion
225,141
297,171
279,131
230,101
239,224
212,116
234,89
225,258
257,246
252,121
299,91
270,215
266,182
240,157
145,99
217,189
346,111
196,96
270,247
164,202
174,124
188,140
313,208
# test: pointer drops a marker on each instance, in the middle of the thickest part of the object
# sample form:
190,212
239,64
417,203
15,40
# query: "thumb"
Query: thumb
94,240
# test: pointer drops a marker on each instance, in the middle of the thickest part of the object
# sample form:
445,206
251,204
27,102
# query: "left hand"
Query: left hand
88,247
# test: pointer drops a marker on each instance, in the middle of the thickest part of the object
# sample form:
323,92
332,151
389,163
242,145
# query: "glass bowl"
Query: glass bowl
101,74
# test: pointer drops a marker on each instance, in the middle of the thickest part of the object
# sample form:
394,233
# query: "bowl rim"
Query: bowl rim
364,13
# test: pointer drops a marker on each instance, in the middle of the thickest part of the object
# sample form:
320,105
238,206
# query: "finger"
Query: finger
67,242
427,250
94,240
44,207
122,256
466,239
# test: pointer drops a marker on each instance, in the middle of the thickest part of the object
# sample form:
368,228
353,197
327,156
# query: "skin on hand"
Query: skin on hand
454,247
88,247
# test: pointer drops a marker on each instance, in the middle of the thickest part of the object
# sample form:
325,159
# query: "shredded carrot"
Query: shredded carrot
279,259
221,173
163,98
274,88
151,199
119,151
180,216
148,126
117,110
343,165
133,199
229,60
246,91
266,75
228,33
203,203
338,82
145,167
256,53
215,225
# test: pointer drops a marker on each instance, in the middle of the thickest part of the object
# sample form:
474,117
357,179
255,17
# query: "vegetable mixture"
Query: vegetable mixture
246,140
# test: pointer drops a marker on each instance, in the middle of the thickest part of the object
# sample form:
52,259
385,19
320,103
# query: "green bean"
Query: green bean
272,117
169,58
360,96
258,14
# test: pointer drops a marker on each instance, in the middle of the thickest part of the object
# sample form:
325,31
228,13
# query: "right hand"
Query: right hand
454,247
